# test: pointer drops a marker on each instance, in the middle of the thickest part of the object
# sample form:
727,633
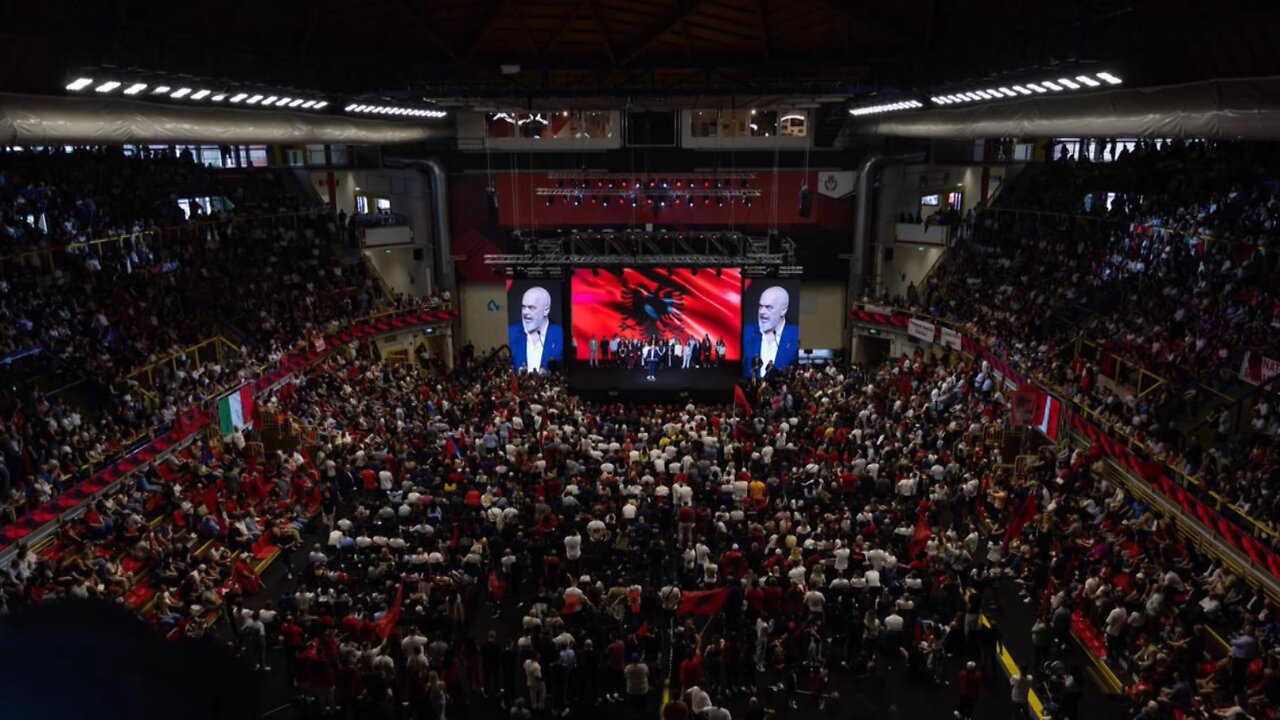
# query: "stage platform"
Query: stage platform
711,385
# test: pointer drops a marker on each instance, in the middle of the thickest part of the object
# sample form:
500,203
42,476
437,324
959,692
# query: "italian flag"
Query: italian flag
235,410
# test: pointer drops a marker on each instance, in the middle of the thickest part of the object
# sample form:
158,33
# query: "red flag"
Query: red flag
451,448
740,398
702,602
388,621
1021,516
920,537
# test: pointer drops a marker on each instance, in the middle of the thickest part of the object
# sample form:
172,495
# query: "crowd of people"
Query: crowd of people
465,538
1174,275
110,309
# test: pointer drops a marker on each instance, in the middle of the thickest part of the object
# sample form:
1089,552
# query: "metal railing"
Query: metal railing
215,348
1123,372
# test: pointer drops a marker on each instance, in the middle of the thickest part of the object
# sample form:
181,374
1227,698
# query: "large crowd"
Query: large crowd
1174,274
108,310
466,538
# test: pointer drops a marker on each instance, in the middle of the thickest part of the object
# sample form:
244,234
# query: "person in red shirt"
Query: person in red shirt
691,672
970,690
291,637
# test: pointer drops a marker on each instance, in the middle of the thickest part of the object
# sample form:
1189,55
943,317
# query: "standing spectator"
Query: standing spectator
970,691
637,676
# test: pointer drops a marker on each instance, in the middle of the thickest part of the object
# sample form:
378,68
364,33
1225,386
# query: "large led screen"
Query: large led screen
642,303
770,325
535,324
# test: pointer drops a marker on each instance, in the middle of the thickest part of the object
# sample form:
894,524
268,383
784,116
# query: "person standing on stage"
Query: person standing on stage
721,349
673,347
651,361
690,347
613,350
594,348
707,350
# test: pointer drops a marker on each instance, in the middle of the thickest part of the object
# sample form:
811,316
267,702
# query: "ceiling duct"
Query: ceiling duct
1247,108
52,120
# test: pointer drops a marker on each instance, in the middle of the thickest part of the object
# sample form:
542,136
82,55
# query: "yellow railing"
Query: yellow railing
1125,372
377,275
215,348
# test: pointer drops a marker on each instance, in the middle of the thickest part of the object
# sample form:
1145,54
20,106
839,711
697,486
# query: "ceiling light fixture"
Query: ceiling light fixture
199,94
253,100
161,90
180,93
1068,83
79,84
1109,79
1088,81
135,88
887,107
107,86
239,97
219,97
1052,86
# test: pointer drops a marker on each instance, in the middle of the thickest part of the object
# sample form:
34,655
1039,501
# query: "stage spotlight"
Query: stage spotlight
719,201
551,201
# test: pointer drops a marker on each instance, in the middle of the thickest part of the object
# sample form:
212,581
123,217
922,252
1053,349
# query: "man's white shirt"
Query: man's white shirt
769,345
534,341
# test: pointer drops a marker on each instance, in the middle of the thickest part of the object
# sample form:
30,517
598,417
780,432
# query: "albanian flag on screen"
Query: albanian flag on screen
641,303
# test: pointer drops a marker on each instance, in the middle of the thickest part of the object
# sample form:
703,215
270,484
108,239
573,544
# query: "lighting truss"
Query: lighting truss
641,191
647,249
1064,83
633,178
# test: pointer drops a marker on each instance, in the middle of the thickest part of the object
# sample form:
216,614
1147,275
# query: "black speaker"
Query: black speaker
806,201
888,254
491,201
418,254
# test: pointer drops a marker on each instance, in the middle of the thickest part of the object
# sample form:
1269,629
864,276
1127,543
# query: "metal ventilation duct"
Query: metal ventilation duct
51,120
1247,108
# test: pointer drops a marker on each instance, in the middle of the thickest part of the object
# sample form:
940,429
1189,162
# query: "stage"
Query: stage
712,384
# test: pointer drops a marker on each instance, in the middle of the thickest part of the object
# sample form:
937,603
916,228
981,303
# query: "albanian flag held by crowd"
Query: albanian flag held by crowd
640,303
702,602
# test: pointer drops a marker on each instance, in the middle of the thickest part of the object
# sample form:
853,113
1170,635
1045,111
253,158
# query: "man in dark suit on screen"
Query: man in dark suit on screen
535,342
771,339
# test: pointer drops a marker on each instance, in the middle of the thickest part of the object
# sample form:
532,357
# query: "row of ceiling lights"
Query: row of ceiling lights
197,94
194,93
392,110
1079,82
1003,92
